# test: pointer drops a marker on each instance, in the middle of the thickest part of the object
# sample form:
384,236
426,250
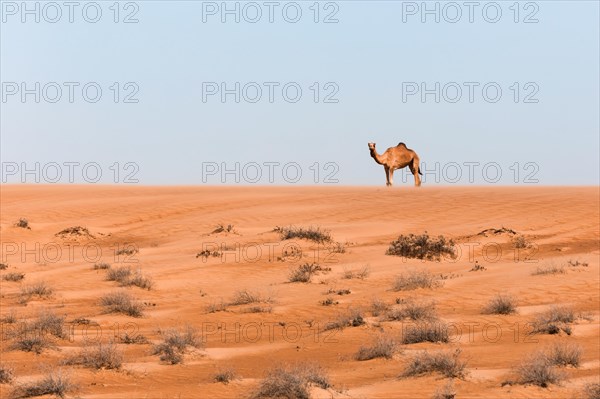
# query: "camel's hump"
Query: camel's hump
401,144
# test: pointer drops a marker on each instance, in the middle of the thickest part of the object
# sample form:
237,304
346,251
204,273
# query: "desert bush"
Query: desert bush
337,248
446,363
101,266
382,346
3,266
305,272
413,279
222,228
39,289
9,318
225,375
340,292
564,354
133,339
139,280
553,321
577,263
538,370
258,309
56,382
34,336
49,322
32,343
291,382
125,277
427,331
315,234
477,267
100,356
361,273
121,302
351,318
175,342
548,269
379,307
501,304
246,297
414,310
128,250
520,242
421,247
207,253
216,307
7,374
592,390
23,223
445,392
15,276
329,301
74,231
119,274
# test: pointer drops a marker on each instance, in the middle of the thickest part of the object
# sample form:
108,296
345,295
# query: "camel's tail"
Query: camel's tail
417,166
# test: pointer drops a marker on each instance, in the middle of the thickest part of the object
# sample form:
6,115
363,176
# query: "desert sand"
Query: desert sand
169,226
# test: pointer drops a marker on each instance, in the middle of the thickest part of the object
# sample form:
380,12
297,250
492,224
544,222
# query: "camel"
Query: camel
397,158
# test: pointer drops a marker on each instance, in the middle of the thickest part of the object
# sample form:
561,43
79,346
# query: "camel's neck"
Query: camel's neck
378,158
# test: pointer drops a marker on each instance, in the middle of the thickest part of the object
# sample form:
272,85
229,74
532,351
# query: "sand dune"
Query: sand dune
169,226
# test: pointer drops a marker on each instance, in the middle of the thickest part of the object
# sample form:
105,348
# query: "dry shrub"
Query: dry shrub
520,242
7,374
501,304
125,277
538,370
548,269
414,310
351,318
315,234
175,342
421,247
121,302
23,223
216,307
305,272
246,297
379,307
413,279
100,356
592,390
38,289
56,382
554,320
427,331
15,276
361,273
225,375
564,354
382,346
446,363
292,382
101,266
445,392
35,336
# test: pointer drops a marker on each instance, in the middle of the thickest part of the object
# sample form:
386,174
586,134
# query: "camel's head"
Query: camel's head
371,146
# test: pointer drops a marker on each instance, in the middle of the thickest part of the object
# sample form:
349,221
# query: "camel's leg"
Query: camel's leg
387,176
391,176
414,168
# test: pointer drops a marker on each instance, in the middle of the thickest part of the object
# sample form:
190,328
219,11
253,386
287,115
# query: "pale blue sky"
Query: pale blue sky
368,54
